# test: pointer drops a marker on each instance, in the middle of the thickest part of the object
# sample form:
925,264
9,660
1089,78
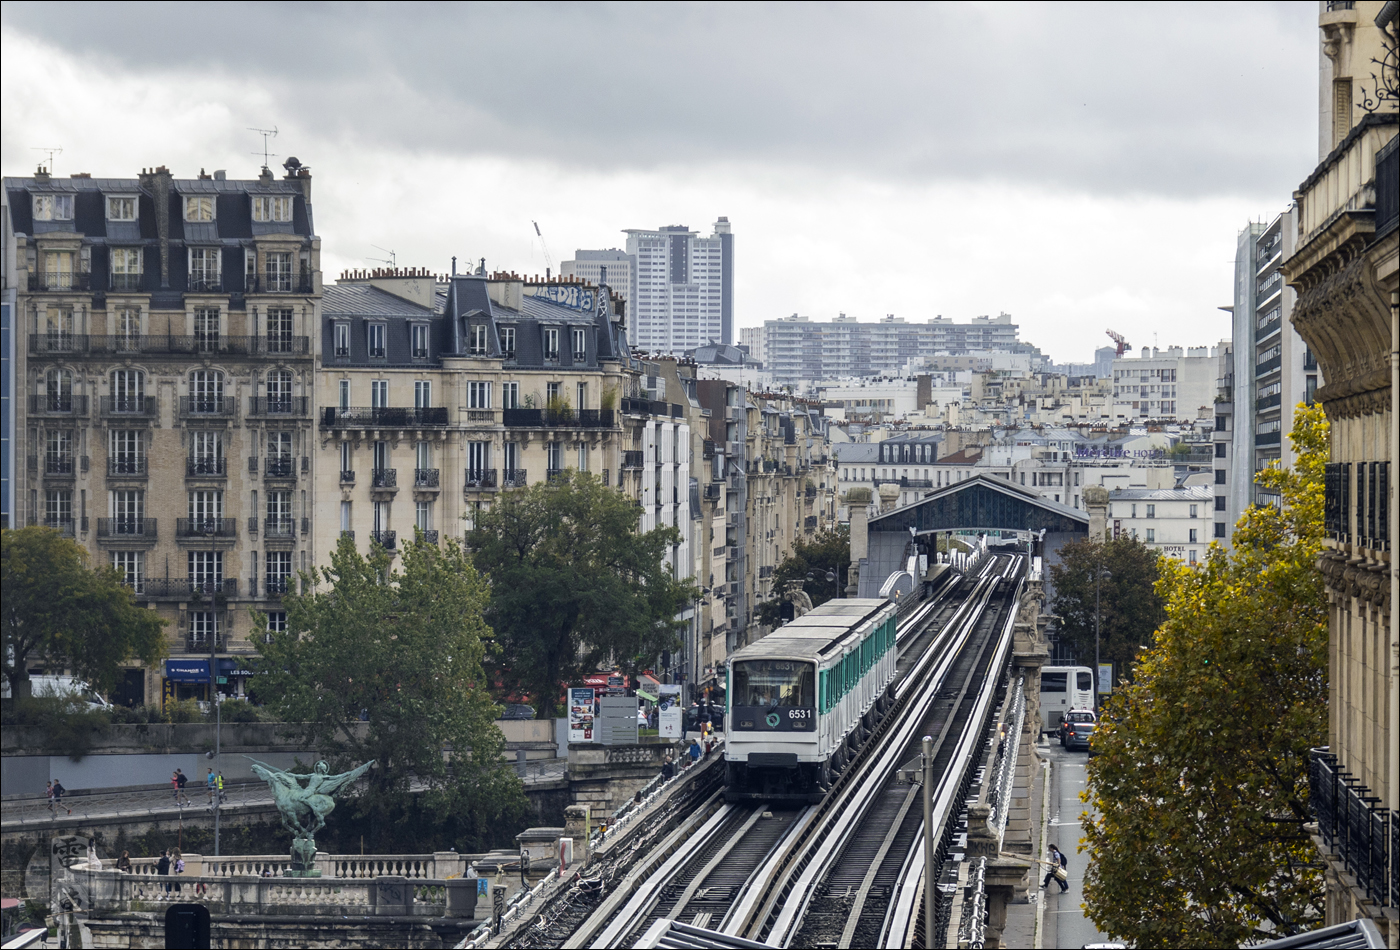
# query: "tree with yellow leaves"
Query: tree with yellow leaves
1201,785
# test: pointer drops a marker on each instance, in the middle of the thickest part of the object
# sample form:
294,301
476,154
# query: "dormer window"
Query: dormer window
199,208
580,341
53,207
121,208
508,342
342,341
551,343
375,340
420,341
477,339
272,208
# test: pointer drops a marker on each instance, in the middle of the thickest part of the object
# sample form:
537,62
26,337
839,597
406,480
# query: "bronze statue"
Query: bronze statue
304,801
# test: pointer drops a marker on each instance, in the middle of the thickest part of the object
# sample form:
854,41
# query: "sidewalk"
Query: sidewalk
1049,918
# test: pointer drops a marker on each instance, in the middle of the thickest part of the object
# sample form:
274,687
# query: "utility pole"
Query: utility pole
930,885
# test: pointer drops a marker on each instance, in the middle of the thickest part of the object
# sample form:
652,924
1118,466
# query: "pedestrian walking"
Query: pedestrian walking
1059,870
694,751
58,791
180,780
220,781
48,793
212,784
175,786
177,866
668,768
163,870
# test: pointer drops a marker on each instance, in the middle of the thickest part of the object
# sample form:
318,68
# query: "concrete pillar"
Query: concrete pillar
857,502
889,497
1096,501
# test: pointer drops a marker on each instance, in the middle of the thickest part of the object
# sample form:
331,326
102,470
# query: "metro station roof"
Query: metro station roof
983,503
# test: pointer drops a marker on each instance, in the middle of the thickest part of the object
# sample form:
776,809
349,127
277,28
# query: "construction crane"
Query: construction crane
1122,343
548,261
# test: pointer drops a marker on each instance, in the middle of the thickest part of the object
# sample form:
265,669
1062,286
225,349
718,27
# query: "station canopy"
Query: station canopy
982,503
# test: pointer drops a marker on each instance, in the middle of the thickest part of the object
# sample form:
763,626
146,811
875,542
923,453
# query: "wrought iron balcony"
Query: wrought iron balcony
205,643
63,526
129,407
127,529
430,535
384,478
425,478
281,466
206,467
477,478
386,539
633,458
221,528
204,282
185,587
277,406
1354,826
347,477
56,405
58,282
211,407
127,283
280,528
514,478
383,416
127,466
278,284
59,465
275,585
558,419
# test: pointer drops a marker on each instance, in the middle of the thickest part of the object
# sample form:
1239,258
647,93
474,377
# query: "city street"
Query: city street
1065,923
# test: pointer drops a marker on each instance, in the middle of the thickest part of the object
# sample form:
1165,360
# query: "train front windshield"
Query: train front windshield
774,683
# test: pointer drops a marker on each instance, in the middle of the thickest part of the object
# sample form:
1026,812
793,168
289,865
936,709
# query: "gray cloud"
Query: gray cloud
1177,100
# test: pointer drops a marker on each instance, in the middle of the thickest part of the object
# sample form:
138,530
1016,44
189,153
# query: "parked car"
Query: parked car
83,696
518,711
1076,728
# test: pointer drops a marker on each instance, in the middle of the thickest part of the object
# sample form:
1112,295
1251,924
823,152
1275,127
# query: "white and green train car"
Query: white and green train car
803,699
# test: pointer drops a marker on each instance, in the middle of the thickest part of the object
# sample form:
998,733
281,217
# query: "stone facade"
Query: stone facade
164,334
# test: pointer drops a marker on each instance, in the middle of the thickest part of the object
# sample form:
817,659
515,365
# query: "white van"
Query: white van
61,686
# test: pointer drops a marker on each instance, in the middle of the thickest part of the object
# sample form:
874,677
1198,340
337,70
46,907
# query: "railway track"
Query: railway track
731,867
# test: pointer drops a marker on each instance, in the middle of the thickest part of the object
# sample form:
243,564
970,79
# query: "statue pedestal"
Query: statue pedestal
299,872
303,858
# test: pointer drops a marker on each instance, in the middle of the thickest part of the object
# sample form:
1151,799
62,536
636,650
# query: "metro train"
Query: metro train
803,699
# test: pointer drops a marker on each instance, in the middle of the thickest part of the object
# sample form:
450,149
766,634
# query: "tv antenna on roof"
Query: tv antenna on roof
266,134
392,260
52,150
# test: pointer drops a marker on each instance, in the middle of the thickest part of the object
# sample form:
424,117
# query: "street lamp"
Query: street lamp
919,771
1099,574
831,577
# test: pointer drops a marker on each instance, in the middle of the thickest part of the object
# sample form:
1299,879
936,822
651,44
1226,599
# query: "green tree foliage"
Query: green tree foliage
386,664
574,586
60,611
1201,786
828,552
1130,607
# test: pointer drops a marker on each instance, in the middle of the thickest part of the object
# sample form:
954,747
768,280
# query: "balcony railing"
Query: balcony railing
347,477
209,407
282,466
129,466
430,535
514,478
425,478
125,282
59,465
545,419
280,528
206,467
205,643
1268,402
633,458
131,529
275,585
277,406
47,405
225,528
63,526
206,282
44,281
810,522
129,407
386,539
80,344
477,478
185,587
383,478
278,284
1355,827
384,416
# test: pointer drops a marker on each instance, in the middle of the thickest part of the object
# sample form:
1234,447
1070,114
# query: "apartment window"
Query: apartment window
478,395
126,263
554,454
477,339
132,565
580,341
128,388
1220,528
1151,511
1193,511
206,391
279,330
1220,476
510,395
206,505
551,392
510,456
206,568
59,454
272,208
204,627
121,208
276,623
381,455
583,456
581,396
379,393
342,341
1191,555
346,459
508,342
279,391
53,207
345,511
551,343
1193,536
479,459
204,268
279,446
423,454
381,514
206,453
1219,502
279,571
423,515
422,393
58,508
126,452
374,333
1151,535
279,511
206,329
128,327
199,208
420,341
1220,450
344,394
1132,511
127,507
278,269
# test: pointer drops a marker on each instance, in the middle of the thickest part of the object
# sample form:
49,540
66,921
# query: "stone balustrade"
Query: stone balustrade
439,866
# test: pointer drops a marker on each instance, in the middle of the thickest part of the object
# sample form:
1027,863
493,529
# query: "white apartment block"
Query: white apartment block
1166,384
613,267
1174,521
683,292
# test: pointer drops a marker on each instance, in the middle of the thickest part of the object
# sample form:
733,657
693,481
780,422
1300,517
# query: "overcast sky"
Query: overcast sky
1078,166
